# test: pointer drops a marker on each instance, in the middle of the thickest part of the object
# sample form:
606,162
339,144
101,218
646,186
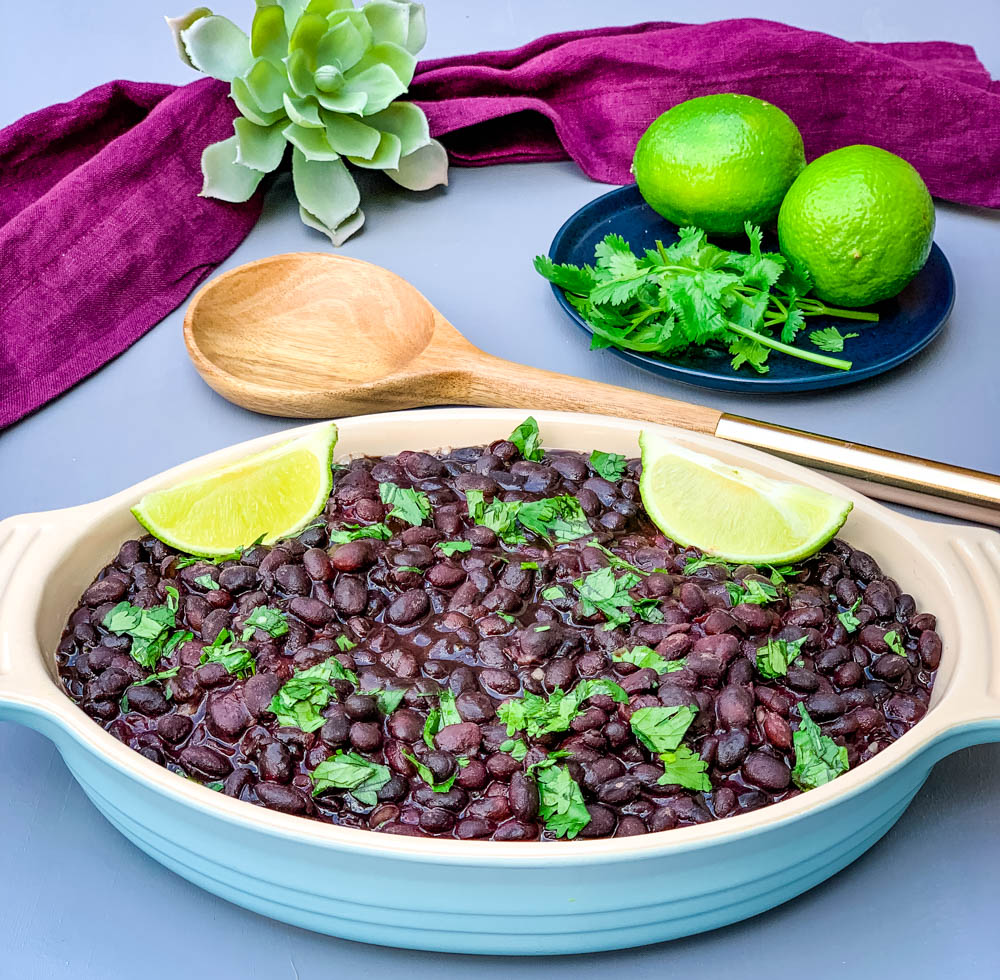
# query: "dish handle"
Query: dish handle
972,692
29,546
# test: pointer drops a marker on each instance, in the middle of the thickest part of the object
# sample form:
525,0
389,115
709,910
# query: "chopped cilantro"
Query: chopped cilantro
609,465
773,658
849,619
354,532
536,715
553,592
388,701
559,518
428,777
215,787
647,657
350,771
894,643
515,747
409,568
449,713
561,803
818,758
692,565
526,438
506,617
685,768
219,559
206,582
432,725
661,729
408,505
499,516
222,650
148,628
600,591
529,566
449,548
271,621
161,676
543,628
751,591
615,561
301,699
344,644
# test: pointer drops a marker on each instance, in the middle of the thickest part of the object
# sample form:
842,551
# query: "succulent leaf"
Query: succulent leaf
268,37
406,121
303,112
250,107
343,45
259,147
325,188
380,83
351,137
267,83
312,142
182,23
386,156
397,58
337,235
422,169
216,46
224,178
323,76
300,75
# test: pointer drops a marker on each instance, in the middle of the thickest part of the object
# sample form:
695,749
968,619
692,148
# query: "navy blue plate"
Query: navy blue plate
907,322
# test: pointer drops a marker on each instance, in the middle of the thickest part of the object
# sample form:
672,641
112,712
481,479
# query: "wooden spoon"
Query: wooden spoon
313,335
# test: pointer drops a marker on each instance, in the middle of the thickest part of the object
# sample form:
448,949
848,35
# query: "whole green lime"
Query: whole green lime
860,221
718,161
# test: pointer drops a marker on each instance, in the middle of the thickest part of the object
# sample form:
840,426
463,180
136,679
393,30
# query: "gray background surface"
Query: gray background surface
77,900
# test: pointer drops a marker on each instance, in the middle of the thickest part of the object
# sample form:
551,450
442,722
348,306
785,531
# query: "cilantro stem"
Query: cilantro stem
805,355
812,307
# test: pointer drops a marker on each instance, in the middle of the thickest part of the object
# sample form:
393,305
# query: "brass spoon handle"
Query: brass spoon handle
879,473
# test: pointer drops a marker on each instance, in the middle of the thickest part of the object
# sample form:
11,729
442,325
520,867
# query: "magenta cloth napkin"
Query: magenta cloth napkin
102,232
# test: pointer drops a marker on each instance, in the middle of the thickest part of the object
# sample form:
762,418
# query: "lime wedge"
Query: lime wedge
735,514
274,493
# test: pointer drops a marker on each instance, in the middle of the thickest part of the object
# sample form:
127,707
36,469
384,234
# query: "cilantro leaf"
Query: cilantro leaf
818,758
237,660
388,701
449,713
301,699
206,582
849,619
561,518
161,676
148,628
537,715
600,591
344,643
500,517
350,771
773,658
751,591
894,643
449,548
568,277
515,747
610,466
354,532
560,802
647,657
432,725
685,768
831,339
235,555
692,565
526,438
407,504
271,621
553,592
428,777
661,729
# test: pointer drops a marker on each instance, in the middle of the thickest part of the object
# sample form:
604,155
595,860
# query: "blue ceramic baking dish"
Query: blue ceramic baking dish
483,896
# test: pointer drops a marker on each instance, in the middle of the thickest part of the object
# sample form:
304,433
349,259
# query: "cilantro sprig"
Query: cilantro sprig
830,339
694,294
685,768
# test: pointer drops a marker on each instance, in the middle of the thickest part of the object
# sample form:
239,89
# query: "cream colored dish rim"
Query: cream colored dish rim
60,551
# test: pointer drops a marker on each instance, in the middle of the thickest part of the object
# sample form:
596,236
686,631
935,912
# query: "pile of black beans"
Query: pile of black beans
424,622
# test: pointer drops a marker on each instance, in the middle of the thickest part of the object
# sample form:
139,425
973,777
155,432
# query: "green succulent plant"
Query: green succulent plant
323,76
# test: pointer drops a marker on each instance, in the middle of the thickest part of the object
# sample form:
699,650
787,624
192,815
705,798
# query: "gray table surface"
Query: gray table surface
77,900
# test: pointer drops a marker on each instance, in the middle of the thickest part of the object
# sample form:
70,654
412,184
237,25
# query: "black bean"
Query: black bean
766,771
275,796
350,595
201,760
407,608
